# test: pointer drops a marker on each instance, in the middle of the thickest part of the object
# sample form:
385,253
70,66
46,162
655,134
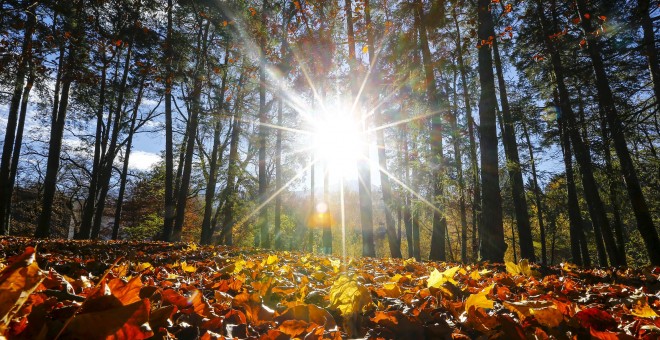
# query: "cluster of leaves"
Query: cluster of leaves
133,290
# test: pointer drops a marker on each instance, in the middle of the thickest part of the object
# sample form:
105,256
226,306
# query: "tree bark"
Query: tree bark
650,50
537,197
264,238
209,194
436,102
168,220
191,131
513,164
127,154
12,120
492,245
474,163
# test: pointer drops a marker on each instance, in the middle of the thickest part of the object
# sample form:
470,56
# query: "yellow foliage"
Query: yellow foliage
187,267
522,268
349,297
643,310
480,299
437,279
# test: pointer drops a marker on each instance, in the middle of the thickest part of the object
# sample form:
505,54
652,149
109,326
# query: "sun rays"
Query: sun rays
333,131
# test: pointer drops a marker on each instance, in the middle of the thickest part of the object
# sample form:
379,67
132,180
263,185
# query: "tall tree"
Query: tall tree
513,162
168,56
437,105
607,104
70,55
492,245
16,118
386,186
364,173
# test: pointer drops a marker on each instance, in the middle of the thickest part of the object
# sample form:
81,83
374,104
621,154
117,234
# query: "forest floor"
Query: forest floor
133,290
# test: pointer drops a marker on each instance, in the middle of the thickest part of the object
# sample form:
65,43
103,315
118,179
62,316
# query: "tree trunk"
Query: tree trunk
599,219
18,143
606,102
650,50
407,211
168,220
263,179
127,154
492,246
111,152
233,168
474,163
537,197
436,102
513,165
614,200
209,194
388,200
58,116
12,120
191,131
364,172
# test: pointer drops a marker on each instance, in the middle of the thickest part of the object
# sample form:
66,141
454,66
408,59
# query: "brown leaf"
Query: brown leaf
125,322
17,282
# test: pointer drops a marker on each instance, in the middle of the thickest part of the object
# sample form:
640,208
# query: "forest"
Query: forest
462,131
311,169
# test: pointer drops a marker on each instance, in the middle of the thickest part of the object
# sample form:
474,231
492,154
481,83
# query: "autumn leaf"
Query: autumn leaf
480,299
643,310
522,268
437,278
17,281
349,297
125,322
308,313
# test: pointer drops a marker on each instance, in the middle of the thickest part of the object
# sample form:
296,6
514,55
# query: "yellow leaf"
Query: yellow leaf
643,310
522,268
437,279
188,268
475,275
238,266
349,297
480,299
271,259
392,290
142,266
336,265
365,49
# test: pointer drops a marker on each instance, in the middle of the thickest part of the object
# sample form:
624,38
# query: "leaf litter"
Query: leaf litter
153,290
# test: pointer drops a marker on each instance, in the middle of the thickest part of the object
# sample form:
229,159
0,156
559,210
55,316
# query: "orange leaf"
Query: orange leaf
125,322
17,282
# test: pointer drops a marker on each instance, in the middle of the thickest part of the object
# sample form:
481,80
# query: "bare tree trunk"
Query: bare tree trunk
650,50
436,102
263,179
492,246
12,120
168,221
364,173
233,168
606,102
207,227
537,196
127,154
108,159
513,165
474,163
388,200
18,143
58,117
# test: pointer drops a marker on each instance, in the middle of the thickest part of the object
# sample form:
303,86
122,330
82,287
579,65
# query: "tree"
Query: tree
492,246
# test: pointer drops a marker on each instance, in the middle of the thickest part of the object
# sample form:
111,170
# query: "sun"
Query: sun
339,141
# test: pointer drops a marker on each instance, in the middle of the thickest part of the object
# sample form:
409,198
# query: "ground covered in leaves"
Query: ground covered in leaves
133,290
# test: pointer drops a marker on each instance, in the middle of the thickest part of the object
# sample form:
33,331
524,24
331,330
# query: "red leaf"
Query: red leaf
597,319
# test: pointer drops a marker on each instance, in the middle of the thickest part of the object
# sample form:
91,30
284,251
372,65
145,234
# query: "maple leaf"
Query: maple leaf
437,279
480,299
